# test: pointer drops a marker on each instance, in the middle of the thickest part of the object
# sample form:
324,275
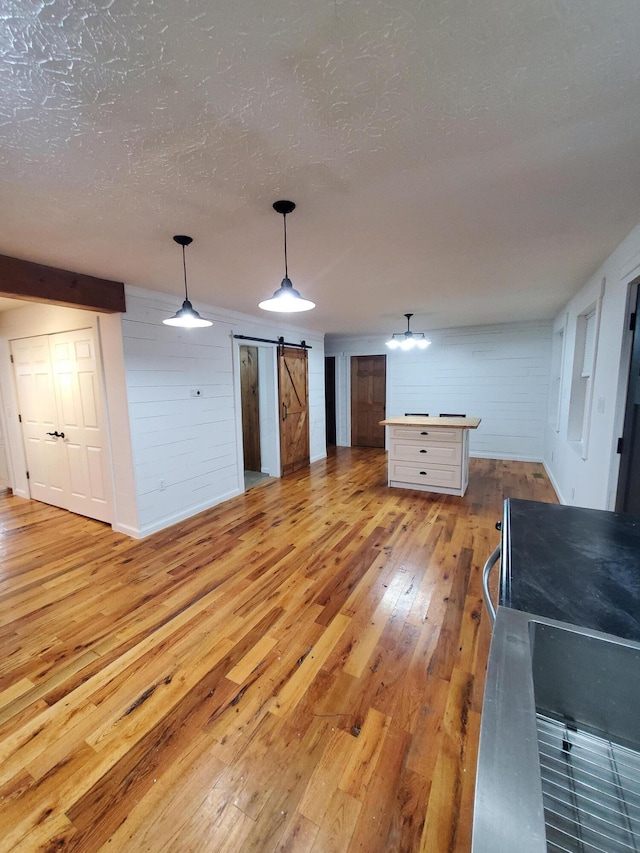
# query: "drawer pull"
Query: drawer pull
423,450
424,473
424,433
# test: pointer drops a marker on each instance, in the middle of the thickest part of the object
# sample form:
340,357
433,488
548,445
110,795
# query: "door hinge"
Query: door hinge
632,322
11,357
27,475
19,419
620,445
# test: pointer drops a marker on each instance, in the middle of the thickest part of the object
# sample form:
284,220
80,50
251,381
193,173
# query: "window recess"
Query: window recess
584,366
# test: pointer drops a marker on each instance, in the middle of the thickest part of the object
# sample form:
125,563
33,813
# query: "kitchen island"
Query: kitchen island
429,454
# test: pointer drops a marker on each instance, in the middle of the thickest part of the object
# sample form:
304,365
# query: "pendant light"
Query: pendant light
187,317
407,340
286,298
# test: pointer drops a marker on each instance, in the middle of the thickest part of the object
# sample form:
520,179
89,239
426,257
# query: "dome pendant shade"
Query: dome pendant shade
186,317
407,340
286,299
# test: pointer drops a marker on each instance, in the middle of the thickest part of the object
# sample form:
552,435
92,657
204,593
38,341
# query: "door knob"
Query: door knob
56,434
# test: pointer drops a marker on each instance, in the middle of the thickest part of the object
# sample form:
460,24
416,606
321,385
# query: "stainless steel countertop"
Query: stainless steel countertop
508,815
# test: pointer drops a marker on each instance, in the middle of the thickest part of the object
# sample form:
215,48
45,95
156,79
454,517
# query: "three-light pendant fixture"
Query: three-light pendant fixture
408,340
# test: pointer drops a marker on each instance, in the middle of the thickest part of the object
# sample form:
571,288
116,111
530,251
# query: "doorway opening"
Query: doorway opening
628,493
274,411
250,397
330,399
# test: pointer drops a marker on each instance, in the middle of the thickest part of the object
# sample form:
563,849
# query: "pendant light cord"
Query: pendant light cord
286,271
184,267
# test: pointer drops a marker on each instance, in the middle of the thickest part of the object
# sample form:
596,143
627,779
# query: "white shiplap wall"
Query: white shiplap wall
589,476
498,373
187,453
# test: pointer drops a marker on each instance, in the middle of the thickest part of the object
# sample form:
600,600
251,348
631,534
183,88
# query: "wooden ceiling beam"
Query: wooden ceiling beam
39,283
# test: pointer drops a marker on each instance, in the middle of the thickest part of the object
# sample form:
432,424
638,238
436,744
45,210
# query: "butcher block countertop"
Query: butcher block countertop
419,421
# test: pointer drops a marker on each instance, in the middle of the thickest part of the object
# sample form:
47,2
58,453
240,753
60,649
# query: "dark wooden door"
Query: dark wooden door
249,395
294,409
628,496
368,399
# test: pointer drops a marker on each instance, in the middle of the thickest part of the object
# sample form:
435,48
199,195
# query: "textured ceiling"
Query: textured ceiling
470,162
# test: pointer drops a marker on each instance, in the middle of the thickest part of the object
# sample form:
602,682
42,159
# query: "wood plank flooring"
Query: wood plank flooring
298,669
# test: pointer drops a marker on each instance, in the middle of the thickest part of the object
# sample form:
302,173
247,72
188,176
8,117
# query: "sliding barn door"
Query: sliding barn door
61,407
293,390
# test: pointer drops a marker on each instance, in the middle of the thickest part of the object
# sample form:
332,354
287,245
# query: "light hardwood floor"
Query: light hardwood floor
300,668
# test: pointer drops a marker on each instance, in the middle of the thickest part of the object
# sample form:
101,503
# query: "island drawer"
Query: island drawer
424,452
426,434
448,476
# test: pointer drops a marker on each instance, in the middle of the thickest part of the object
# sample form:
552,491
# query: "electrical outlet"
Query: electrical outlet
162,485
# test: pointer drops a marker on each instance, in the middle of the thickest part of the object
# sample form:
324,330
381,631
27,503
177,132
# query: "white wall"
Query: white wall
498,373
187,451
590,478
117,407
5,467
173,454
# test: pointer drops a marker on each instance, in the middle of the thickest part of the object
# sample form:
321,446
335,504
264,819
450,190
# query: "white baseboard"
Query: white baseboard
556,487
133,532
175,518
513,457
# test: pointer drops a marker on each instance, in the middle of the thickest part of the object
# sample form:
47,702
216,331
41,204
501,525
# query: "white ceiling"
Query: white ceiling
471,162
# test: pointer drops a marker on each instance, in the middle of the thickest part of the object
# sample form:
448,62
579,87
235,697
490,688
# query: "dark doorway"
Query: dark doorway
330,399
368,399
249,395
628,496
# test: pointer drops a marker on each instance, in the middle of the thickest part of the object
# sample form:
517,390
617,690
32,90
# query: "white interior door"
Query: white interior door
48,480
61,405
